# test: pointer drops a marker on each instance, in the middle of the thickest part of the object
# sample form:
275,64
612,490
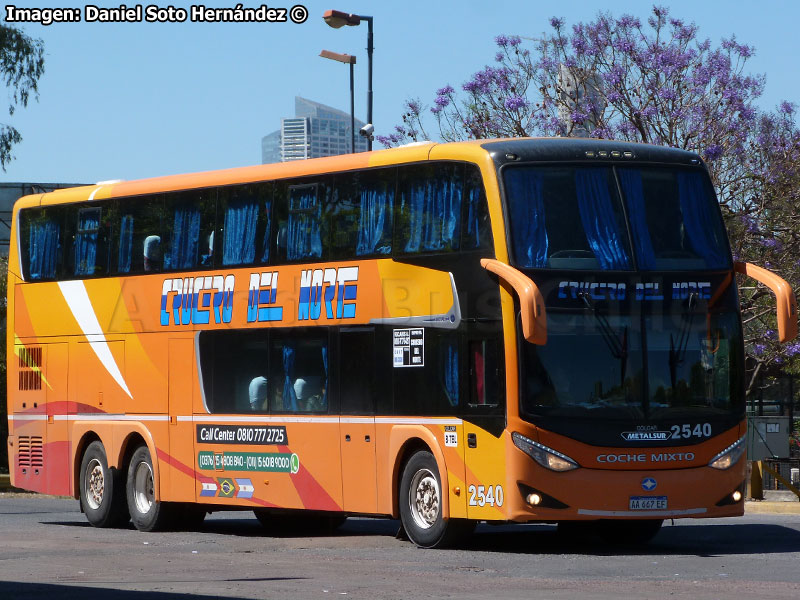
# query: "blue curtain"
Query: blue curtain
375,221
632,188
44,249
86,241
325,383
185,238
472,228
239,244
433,207
599,218
289,397
266,244
305,213
125,244
699,219
526,211
451,372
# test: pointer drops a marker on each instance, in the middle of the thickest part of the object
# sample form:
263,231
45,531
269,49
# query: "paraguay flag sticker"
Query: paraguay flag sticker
209,488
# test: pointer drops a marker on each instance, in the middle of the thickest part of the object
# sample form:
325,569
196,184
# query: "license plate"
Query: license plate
647,503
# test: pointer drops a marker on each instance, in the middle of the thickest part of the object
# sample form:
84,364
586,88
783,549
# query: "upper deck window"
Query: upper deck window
565,217
674,219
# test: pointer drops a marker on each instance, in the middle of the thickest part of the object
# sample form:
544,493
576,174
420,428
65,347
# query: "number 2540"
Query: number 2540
483,495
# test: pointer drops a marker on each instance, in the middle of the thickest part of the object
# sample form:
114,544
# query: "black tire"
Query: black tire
421,506
101,489
146,512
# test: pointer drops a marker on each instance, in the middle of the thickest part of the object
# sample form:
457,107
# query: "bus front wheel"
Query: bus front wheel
102,497
421,505
147,513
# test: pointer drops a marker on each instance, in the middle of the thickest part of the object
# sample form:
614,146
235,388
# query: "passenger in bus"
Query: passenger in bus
208,259
309,396
258,394
152,253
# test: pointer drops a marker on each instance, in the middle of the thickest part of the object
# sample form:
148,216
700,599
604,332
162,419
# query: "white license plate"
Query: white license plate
647,503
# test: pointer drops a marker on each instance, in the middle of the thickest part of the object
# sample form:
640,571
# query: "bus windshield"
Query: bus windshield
620,218
595,367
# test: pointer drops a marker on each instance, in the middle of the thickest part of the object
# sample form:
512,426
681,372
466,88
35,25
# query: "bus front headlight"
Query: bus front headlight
728,457
547,457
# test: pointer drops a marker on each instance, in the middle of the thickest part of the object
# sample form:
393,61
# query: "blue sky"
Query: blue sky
126,101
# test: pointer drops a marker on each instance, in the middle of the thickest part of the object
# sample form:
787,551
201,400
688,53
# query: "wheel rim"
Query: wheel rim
143,488
95,484
423,499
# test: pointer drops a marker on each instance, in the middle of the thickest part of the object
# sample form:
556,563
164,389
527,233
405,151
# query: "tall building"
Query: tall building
315,130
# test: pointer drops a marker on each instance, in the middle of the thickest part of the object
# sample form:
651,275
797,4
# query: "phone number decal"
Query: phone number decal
256,435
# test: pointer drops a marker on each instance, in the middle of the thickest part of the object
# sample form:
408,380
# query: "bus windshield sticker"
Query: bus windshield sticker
256,435
409,347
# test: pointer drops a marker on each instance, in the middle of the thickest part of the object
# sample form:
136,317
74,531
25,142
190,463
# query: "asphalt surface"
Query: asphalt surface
48,551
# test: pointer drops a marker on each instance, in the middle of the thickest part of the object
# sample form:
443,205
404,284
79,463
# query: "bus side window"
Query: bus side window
235,370
87,242
307,224
41,233
432,388
486,382
137,233
243,231
476,233
429,208
190,223
299,367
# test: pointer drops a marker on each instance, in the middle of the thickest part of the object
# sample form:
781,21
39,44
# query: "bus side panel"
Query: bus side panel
487,487
57,450
178,481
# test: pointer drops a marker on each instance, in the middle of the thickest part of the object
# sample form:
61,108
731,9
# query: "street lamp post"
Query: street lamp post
349,60
337,19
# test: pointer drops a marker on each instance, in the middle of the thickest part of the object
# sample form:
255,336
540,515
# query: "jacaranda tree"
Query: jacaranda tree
659,83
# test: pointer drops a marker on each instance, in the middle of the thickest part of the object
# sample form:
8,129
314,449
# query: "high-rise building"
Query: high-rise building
315,130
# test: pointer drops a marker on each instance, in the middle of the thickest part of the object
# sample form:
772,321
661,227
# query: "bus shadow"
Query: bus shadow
699,540
47,591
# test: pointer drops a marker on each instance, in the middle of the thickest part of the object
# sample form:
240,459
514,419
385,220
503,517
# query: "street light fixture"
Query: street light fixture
337,19
348,60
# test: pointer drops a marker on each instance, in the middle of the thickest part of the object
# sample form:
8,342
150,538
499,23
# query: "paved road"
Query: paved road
47,551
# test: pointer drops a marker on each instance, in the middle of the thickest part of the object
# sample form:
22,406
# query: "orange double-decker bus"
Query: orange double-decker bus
531,330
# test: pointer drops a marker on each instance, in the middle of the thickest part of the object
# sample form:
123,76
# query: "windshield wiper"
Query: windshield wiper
677,356
617,345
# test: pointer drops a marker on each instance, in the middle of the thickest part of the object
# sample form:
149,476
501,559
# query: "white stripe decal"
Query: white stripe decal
641,513
24,417
91,196
81,306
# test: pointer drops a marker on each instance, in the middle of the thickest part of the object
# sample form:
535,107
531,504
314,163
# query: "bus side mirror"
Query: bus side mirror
785,300
531,301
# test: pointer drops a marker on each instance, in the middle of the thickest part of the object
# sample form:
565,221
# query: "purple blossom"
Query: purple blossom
556,23
759,349
446,90
413,106
515,103
793,349
501,41
787,108
713,152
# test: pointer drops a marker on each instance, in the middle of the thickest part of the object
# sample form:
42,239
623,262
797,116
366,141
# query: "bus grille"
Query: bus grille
30,452
30,368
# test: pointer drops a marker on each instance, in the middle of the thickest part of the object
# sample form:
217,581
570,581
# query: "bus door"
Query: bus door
356,377
180,437
484,423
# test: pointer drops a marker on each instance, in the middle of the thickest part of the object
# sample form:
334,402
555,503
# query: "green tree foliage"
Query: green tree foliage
21,66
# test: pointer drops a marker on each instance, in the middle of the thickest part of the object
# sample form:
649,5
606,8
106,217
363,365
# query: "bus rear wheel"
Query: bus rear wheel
101,489
421,505
147,513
